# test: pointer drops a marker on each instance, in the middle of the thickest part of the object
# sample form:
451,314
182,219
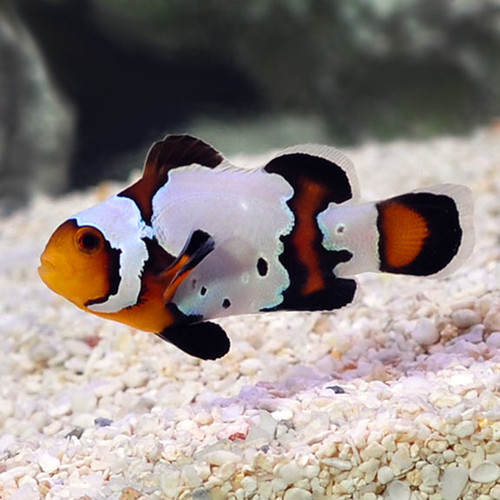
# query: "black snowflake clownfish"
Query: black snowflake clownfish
196,238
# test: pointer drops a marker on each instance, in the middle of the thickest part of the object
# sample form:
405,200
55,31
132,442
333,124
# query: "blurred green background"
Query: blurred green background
87,85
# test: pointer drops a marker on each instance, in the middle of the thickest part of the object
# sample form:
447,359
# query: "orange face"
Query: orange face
77,263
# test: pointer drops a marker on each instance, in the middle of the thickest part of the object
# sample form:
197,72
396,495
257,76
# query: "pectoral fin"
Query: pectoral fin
203,340
198,246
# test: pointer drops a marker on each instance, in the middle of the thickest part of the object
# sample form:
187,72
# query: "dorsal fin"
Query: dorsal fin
314,164
179,151
172,152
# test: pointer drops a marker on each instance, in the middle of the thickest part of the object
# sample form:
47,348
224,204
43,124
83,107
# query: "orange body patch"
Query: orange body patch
312,196
150,314
404,232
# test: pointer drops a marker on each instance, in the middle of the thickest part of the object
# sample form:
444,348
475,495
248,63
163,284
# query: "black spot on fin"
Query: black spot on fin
203,340
174,151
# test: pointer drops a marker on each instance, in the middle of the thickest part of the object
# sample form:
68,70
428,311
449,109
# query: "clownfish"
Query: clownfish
196,238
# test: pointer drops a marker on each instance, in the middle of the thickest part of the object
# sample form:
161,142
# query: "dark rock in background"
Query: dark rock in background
239,71
126,94
36,123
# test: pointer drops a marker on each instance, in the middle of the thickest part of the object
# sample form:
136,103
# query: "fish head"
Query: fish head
79,264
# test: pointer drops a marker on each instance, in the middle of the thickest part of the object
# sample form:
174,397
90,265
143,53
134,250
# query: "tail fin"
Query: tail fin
426,232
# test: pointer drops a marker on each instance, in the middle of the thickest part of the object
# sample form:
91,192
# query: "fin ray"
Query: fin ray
197,247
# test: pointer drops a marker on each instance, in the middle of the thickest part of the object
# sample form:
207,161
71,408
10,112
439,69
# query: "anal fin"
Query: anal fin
203,340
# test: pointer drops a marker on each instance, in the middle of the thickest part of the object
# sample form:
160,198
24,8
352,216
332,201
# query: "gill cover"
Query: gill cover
121,224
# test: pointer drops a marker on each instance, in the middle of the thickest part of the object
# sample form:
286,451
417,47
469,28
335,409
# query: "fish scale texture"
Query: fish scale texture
394,397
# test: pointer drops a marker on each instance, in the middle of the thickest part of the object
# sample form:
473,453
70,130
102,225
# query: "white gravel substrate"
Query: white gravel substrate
396,397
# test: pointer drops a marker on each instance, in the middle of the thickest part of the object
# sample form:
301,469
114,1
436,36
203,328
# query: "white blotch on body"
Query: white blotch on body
245,211
353,228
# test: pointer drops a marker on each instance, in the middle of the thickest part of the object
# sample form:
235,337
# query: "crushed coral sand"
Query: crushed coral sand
395,397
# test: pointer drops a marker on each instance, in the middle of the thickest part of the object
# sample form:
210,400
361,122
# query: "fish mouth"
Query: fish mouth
46,267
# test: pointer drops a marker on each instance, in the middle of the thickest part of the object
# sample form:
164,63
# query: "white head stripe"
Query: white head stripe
120,222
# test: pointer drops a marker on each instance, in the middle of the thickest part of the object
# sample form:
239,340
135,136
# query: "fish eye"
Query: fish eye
88,240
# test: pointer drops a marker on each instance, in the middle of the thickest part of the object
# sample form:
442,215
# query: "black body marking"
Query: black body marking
316,182
297,168
114,277
262,267
443,240
158,260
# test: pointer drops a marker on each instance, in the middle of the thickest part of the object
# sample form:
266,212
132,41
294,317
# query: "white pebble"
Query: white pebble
373,450
52,428
485,472
249,484
492,318
464,429
249,366
190,476
26,492
430,475
461,378
220,457
401,460
6,440
107,387
398,490
297,494
465,318
385,474
338,463
290,473
495,492
493,340
425,332
267,423
278,485
83,401
61,407
135,377
284,414
453,482
48,463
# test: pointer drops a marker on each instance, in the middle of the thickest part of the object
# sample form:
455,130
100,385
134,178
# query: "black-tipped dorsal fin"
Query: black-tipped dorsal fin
179,151
172,152
319,170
